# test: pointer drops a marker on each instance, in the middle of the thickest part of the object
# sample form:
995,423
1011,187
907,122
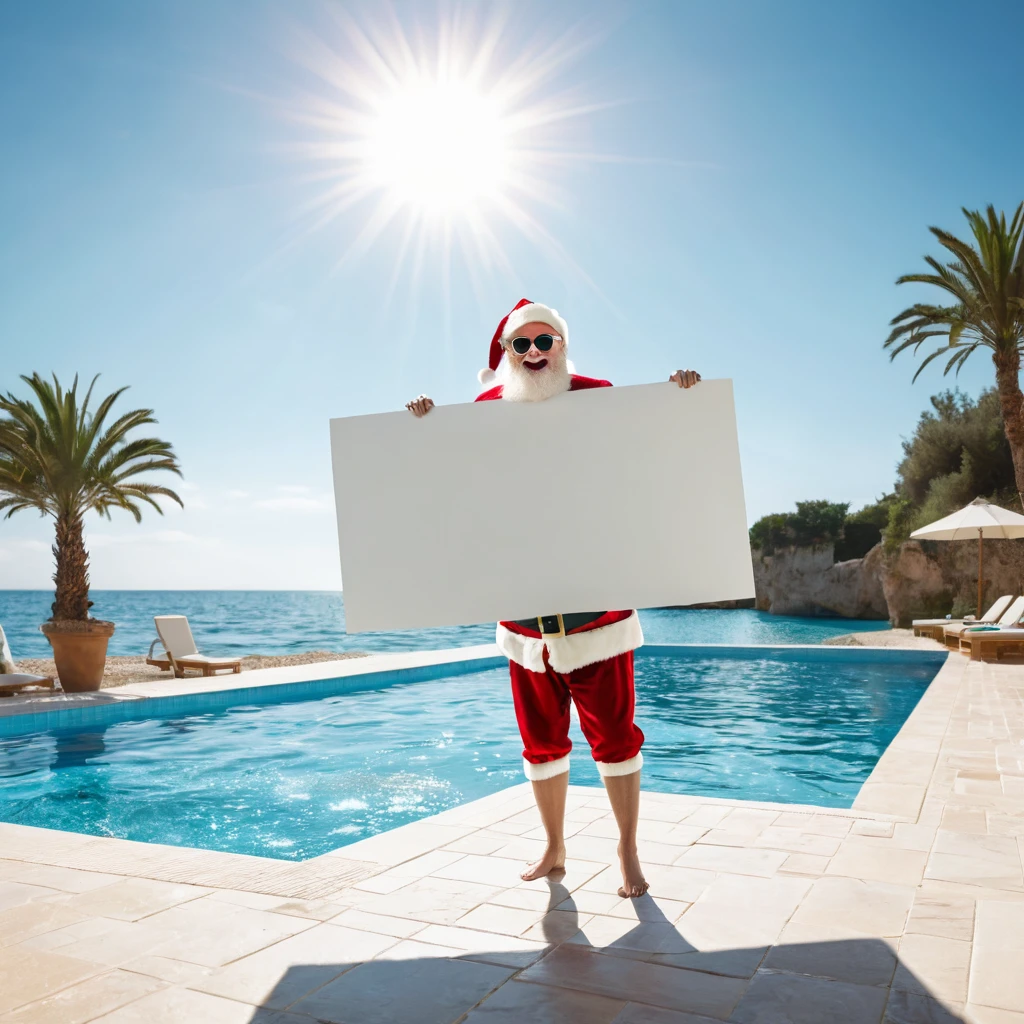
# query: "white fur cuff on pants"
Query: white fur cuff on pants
547,770
610,768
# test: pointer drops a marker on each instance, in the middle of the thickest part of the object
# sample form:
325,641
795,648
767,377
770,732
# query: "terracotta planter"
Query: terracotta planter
80,652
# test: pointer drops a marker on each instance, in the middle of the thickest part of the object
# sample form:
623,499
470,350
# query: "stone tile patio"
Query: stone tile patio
908,908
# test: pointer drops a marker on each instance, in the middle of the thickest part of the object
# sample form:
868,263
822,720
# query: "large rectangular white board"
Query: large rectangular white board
625,497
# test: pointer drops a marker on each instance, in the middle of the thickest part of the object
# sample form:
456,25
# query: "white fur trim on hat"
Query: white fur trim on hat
486,377
535,312
609,769
545,770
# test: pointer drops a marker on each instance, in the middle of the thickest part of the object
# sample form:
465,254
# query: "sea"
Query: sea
239,622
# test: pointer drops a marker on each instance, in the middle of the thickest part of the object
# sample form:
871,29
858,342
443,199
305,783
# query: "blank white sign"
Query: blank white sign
625,497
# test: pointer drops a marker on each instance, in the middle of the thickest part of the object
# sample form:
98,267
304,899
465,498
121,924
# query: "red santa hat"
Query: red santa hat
523,312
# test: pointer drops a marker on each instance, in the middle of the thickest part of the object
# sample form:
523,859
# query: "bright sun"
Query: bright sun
439,148
447,135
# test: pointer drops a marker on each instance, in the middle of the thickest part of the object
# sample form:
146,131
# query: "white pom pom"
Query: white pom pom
486,377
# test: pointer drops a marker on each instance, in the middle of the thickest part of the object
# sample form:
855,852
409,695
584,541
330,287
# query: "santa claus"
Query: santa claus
583,657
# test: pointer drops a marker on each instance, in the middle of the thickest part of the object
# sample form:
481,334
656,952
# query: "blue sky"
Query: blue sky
775,168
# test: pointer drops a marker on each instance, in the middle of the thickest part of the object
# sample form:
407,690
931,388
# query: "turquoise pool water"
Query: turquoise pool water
293,779
285,622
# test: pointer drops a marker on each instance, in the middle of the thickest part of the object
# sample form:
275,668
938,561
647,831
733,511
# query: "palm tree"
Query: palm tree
986,284
60,458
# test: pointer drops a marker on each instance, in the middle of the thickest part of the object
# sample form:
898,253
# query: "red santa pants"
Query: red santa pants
603,695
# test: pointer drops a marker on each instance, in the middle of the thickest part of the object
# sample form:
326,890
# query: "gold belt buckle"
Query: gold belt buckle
540,626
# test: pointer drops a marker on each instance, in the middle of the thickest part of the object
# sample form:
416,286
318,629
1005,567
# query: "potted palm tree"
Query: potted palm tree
61,458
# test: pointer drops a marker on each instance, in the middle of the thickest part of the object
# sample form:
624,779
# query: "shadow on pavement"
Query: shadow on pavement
649,975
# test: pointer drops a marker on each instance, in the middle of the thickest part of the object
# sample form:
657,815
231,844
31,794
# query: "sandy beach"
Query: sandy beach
133,669
885,638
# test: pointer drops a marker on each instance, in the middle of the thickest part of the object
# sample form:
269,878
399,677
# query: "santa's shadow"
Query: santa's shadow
634,968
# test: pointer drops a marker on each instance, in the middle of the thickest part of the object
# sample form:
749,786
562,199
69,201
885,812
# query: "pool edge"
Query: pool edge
136,700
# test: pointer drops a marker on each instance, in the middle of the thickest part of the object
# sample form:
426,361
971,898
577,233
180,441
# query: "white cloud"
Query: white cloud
10,551
105,540
237,494
294,504
292,489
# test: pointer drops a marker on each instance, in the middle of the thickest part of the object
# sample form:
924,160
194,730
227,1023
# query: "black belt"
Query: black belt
559,625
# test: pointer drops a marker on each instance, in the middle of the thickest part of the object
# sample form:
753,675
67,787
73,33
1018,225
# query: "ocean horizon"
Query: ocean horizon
276,622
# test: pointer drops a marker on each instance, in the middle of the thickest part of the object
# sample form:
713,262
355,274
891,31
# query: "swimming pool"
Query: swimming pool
294,771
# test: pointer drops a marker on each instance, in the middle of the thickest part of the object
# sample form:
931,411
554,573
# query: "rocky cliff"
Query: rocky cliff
807,581
936,579
921,580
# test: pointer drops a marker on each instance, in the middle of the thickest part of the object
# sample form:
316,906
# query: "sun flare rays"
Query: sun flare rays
444,138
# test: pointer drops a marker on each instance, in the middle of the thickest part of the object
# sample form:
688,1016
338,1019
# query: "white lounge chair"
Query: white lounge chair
952,635
12,682
176,636
935,627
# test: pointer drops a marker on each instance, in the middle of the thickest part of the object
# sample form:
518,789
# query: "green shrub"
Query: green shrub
818,522
897,530
769,533
815,523
958,451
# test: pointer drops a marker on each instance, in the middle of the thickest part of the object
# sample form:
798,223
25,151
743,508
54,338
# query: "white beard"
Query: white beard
522,385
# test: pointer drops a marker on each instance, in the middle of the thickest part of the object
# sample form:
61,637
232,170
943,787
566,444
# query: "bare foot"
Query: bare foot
553,860
633,882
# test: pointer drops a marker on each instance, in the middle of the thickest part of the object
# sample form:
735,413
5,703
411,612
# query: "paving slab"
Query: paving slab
907,907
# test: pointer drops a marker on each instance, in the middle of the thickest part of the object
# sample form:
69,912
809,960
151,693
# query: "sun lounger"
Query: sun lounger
952,635
934,628
21,682
992,642
180,648
12,682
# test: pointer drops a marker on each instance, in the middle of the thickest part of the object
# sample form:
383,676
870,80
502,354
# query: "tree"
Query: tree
962,438
958,452
814,522
60,458
818,522
986,284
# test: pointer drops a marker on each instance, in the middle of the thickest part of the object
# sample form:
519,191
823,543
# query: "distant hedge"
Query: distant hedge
815,523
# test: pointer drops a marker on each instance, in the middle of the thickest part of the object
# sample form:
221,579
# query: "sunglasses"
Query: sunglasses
543,342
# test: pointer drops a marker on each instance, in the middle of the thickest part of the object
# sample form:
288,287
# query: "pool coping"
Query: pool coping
885,796
26,713
939,886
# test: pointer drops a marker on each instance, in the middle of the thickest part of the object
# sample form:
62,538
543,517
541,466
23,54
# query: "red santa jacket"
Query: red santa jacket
612,634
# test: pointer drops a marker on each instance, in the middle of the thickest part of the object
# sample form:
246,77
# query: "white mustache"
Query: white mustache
523,385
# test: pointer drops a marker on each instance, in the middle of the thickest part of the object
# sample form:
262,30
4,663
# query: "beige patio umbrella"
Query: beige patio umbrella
980,519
